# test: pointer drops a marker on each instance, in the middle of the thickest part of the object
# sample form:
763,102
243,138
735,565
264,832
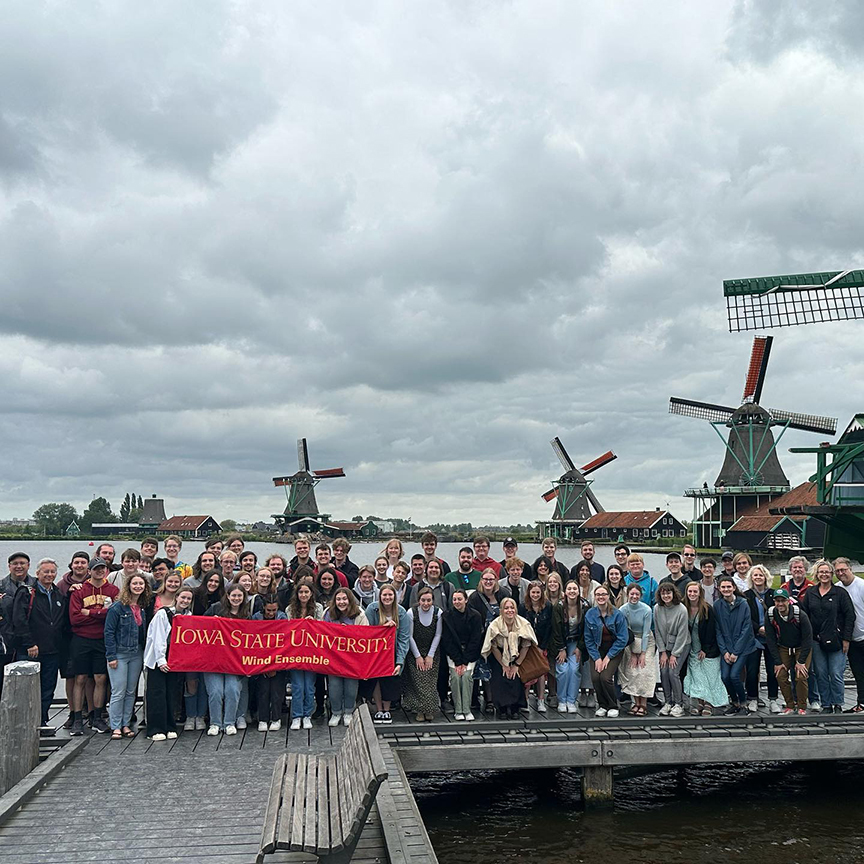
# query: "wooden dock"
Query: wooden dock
201,799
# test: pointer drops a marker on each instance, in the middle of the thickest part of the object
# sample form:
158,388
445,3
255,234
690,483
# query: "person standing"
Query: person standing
855,589
387,612
606,637
676,575
742,563
365,587
302,606
761,598
441,591
421,668
537,611
39,622
637,673
832,617
486,600
709,586
550,547
513,582
598,574
672,631
622,552
343,610
735,640
702,682
688,560
270,685
567,646
429,542
798,583
88,607
18,577
461,638
466,577
638,575
511,548
482,561
341,561
789,638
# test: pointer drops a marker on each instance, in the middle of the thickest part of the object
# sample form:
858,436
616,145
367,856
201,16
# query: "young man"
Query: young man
798,582
550,547
323,559
638,575
429,542
676,576
481,556
215,545
514,583
248,562
598,573
688,557
855,588
88,607
727,560
466,576
707,567
160,570
302,554
510,549
789,640
129,561
149,547
278,566
107,552
621,553
40,620
341,561
418,568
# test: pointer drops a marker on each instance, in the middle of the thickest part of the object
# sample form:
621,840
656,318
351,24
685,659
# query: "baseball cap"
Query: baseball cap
96,562
15,555
781,594
509,541
727,556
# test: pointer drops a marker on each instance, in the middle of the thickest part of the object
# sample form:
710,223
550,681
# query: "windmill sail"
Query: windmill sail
805,422
561,453
302,455
758,366
700,410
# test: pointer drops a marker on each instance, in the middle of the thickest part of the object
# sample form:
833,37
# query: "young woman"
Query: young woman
566,644
605,639
262,587
507,641
394,553
637,674
615,585
125,634
554,596
760,596
303,605
223,691
325,586
543,567
386,612
270,685
434,579
554,589
586,584
167,591
365,588
204,564
486,601
210,591
742,563
381,565
672,632
461,639
421,667
832,617
161,681
702,682
538,613
345,610
735,641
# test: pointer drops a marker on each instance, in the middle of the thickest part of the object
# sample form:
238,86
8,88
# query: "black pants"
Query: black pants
271,696
856,664
753,662
49,666
319,691
161,693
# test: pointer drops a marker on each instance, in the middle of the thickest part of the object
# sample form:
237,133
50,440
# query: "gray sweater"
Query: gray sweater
671,628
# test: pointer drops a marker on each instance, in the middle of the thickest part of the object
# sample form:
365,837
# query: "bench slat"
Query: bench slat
335,804
312,804
268,837
379,769
296,844
324,804
283,831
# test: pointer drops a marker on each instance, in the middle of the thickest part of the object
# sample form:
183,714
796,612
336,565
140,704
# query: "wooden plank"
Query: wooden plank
20,714
311,805
296,844
323,808
477,757
335,804
285,820
268,832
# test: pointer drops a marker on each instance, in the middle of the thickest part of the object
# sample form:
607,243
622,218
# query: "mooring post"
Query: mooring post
20,715
597,790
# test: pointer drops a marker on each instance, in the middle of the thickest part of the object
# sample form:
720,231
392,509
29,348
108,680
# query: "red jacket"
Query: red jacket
487,564
96,601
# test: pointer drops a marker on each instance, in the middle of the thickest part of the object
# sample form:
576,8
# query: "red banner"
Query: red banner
235,646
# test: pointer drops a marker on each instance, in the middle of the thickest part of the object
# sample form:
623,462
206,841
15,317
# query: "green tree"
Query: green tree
54,518
125,507
140,504
98,510
228,525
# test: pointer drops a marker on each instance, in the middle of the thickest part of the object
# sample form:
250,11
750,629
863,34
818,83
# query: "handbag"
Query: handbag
533,665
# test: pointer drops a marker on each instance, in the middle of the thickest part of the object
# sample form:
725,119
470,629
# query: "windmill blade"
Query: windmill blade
551,495
599,462
302,455
805,422
561,453
281,481
593,499
756,372
329,472
700,410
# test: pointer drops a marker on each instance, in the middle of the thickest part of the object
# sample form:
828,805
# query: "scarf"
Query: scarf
521,630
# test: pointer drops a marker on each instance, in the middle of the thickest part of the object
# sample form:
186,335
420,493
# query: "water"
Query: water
766,813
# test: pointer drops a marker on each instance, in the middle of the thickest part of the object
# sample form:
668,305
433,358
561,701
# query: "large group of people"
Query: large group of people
486,636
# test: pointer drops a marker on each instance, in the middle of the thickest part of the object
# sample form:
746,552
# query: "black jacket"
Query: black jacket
540,621
708,634
8,590
560,625
44,622
832,616
462,635
478,602
796,632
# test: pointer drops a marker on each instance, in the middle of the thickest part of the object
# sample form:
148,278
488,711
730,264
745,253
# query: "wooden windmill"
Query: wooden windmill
300,489
571,491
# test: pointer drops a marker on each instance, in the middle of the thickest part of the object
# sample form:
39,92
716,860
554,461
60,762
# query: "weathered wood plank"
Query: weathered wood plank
296,844
20,715
274,800
323,806
310,832
335,803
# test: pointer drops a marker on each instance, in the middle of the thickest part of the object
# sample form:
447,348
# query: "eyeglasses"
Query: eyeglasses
689,554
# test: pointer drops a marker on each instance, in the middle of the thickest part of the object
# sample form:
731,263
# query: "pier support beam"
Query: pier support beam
20,715
597,787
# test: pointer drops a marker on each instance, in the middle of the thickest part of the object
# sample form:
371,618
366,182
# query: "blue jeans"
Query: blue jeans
731,676
567,674
223,696
828,667
124,685
302,693
343,693
196,703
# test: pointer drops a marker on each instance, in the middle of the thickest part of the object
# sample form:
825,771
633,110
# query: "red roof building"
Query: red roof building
190,526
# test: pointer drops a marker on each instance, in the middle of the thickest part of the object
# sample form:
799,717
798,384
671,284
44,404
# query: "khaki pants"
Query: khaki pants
789,657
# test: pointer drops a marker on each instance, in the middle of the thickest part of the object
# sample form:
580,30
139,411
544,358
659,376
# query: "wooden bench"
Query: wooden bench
319,804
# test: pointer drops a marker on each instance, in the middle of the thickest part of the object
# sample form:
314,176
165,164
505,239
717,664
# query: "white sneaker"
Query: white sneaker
334,720
171,736
612,712
241,723
815,706
458,716
307,722
230,729
346,719
666,710
262,726
572,708
600,712
295,724
774,706
677,711
469,716
157,737
275,725
189,725
541,706
200,725
752,706
213,730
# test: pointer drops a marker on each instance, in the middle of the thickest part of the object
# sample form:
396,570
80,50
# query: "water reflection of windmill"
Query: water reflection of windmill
300,489
574,499
751,474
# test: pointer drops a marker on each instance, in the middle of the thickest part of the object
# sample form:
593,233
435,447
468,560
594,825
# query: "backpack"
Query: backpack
793,617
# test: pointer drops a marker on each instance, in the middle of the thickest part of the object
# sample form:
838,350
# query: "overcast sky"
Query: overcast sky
427,236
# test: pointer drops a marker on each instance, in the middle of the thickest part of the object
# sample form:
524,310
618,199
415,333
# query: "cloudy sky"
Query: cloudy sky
428,237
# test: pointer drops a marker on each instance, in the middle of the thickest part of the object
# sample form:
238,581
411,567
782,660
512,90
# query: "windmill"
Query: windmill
751,472
300,489
571,490
810,298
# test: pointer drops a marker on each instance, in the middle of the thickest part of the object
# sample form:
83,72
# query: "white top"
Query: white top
157,638
856,592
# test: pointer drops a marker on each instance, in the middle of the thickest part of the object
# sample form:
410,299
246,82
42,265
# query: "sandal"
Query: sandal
633,711
116,735
707,712
128,733
640,711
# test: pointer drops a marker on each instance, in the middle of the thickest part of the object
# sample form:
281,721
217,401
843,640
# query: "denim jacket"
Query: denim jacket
122,634
617,624
403,631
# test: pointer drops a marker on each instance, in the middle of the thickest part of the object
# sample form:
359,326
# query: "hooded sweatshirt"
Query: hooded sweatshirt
97,602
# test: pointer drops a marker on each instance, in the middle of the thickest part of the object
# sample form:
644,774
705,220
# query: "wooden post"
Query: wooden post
597,786
20,715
